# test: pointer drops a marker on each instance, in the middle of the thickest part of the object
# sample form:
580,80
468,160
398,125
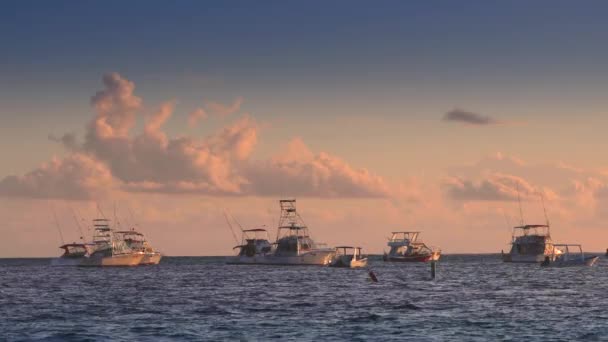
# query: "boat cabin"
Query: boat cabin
254,242
75,250
354,252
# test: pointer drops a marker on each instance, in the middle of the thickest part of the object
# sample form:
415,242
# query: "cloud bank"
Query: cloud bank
115,155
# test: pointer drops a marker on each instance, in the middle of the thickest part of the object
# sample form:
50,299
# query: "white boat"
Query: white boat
530,243
73,255
293,245
567,255
110,251
405,247
138,243
350,257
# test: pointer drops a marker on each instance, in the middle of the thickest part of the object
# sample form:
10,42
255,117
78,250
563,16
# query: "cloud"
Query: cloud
68,140
470,118
76,177
116,107
195,116
151,161
299,172
497,187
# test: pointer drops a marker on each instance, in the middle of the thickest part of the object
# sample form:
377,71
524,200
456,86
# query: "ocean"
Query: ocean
473,298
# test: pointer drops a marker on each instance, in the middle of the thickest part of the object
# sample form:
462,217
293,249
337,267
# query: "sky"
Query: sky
384,116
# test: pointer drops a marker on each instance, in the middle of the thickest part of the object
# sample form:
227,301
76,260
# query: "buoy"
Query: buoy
372,276
433,269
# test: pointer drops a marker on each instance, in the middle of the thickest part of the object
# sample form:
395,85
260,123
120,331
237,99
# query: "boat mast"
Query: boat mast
290,219
521,212
57,225
542,200
77,224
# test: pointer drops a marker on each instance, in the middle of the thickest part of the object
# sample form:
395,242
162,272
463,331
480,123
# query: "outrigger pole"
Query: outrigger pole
57,225
77,223
521,212
542,200
230,227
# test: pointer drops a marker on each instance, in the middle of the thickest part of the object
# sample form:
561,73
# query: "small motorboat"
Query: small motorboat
138,243
347,256
405,247
74,254
566,255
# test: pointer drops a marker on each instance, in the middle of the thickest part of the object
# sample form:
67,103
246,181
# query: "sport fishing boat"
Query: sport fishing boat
530,243
405,247
293,245
109,250
138,244
567,255
350,257
73,254
255,244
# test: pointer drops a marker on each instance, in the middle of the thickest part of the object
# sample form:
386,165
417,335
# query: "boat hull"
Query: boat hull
67,261
151,259
316,258
589,261
349,264
413,258
121,260
530,259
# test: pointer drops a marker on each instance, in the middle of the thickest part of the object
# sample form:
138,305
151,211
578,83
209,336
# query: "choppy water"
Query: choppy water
473,298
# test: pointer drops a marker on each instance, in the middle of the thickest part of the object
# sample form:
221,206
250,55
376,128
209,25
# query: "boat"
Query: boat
138,243
110,250
530,243
73,254
405,247
254,243
293,245
567,255
347,256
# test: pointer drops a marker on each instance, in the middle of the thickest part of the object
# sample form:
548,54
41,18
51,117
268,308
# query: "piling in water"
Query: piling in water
433,269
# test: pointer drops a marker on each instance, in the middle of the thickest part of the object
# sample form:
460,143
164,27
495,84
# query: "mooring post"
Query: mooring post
433,268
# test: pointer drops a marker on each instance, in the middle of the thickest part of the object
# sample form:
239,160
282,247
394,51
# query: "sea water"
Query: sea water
473,298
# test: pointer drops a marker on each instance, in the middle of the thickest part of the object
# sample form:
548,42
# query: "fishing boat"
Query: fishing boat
255,244
73,254
293,245
568,255
530,243
347,256
110,250
405,247
137,242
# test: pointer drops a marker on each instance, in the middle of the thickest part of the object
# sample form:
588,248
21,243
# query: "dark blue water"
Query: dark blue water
474,298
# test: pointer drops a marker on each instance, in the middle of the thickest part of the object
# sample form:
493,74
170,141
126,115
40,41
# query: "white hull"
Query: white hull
320,258
115,260
517,258
151,259
67,261
349,263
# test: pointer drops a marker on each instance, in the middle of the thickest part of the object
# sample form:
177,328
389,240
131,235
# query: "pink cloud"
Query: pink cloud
220,164
76,177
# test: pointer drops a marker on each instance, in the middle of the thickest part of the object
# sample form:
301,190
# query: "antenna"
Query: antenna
521,213
77,224
57,224
100,211
135,224
230,226
542,200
